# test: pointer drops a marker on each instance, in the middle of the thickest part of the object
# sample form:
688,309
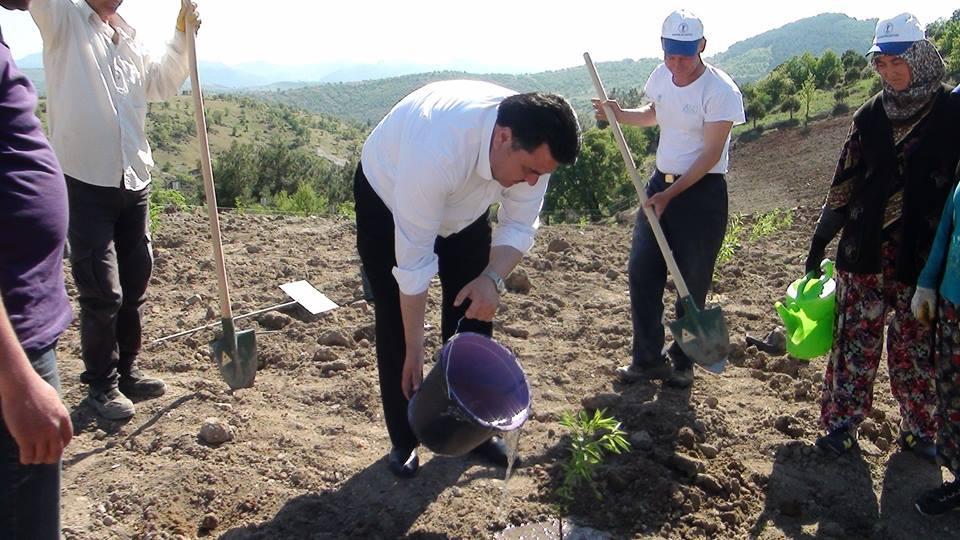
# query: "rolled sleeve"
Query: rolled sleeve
418,204
519,216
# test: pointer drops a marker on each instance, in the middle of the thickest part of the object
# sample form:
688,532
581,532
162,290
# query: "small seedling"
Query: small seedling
591,439
731,240
771,223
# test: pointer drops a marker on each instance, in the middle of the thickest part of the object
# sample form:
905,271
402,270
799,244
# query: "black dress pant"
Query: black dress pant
462,257
111,260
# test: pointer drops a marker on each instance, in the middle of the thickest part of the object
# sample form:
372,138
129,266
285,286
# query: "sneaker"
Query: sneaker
633,373
136,384
940,500
921,446
681,378
403,463
110,404
838,441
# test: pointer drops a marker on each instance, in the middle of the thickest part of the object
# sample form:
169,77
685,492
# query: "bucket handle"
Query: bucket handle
458,329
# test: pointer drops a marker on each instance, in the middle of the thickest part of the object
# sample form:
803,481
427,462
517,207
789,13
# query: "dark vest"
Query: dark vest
930,155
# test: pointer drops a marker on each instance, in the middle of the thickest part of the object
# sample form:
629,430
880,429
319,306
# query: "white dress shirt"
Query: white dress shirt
97,92
429,161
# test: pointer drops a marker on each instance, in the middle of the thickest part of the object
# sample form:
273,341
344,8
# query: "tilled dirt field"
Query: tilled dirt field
730,458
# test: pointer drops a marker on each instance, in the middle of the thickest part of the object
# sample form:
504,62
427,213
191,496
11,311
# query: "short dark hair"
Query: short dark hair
535,118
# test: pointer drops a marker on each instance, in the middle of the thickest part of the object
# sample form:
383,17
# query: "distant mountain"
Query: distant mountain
367,101
364,92
31,61
752,58
746,61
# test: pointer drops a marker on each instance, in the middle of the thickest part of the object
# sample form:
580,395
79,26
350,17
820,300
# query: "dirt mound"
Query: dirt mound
786,168
730,458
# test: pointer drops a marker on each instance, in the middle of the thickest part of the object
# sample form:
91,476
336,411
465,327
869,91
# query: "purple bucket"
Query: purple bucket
476,389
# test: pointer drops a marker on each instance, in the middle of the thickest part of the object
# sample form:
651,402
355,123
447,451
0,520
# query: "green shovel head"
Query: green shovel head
236,356
702,335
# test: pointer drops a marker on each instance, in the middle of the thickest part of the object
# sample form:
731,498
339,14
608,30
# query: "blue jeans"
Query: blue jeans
30,494
694,224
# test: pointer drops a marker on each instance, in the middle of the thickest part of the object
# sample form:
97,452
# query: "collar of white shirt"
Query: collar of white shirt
126,31
483,160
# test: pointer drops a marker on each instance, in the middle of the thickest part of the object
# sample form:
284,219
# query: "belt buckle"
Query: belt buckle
669,178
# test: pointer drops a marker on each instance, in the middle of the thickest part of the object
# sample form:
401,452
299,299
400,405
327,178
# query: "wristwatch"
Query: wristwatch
497,280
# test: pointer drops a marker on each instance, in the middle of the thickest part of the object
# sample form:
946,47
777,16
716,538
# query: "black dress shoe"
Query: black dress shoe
403,463
494,450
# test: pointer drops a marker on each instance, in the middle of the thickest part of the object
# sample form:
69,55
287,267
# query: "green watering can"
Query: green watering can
808,313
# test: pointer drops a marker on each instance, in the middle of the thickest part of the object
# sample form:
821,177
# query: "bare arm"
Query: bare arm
644,116
715,138
412,309
32,410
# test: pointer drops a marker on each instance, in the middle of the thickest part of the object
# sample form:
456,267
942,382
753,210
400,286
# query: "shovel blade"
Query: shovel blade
703,336
236,356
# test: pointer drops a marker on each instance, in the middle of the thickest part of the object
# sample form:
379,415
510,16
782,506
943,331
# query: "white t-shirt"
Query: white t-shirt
682,111
429,161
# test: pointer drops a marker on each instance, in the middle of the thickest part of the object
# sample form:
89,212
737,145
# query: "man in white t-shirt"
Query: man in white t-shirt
696,105
427,176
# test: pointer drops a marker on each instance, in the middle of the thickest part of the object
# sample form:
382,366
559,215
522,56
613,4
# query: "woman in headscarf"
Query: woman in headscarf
893,177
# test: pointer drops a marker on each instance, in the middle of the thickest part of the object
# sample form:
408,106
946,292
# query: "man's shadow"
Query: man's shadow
371,504
907,476
811,494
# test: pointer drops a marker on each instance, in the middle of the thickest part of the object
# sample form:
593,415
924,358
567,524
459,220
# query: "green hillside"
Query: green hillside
367,101
258,150
747,61
752,58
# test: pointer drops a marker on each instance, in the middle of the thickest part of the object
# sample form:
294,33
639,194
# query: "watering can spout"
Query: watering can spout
807,312
790,319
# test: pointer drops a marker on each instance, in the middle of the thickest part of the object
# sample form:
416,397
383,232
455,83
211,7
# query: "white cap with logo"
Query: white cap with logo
896,34
681,33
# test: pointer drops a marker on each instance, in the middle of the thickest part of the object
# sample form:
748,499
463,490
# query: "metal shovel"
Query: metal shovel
701,334
234,352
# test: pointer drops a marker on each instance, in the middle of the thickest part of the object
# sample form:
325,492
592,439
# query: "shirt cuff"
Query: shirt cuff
415,281
515,236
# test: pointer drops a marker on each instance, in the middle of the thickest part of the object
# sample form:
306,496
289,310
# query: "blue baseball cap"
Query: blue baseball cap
681,33
896,34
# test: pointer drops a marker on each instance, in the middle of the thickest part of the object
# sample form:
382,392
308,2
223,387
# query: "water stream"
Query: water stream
511,440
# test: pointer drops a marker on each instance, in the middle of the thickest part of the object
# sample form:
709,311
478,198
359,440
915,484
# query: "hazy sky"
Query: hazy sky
526,35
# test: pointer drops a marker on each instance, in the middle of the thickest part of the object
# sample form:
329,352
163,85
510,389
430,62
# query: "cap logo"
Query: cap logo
683,28
889,28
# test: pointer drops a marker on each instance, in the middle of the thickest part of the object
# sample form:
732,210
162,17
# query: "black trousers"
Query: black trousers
111,260
462,257
694,223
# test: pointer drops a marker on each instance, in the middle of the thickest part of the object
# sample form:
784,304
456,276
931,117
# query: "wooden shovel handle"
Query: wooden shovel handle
637,182
206,169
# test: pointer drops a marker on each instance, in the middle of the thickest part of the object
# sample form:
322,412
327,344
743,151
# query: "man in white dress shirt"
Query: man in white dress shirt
98,83
427,176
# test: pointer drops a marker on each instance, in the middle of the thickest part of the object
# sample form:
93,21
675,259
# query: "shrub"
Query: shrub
161,198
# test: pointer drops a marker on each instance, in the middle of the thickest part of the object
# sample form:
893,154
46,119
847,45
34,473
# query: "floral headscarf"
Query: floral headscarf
926,75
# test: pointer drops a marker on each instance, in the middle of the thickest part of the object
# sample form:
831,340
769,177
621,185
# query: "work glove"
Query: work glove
194,18
923,303
817,248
